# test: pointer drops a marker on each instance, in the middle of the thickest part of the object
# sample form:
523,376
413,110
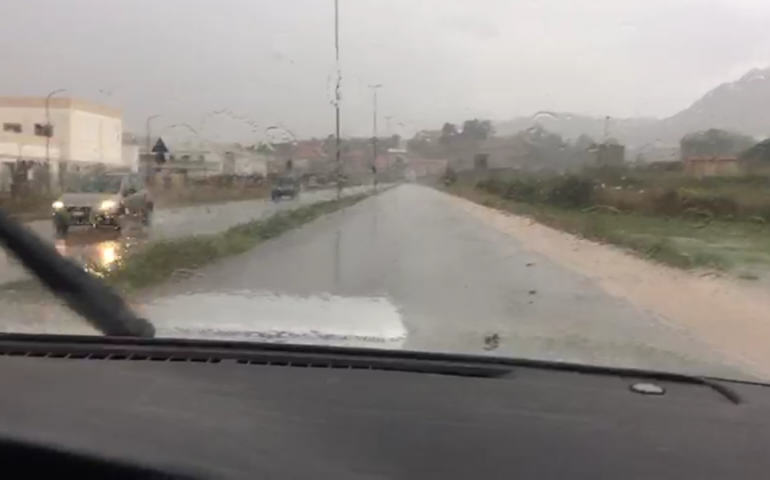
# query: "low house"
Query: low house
211,158
503,152
711,166
427,167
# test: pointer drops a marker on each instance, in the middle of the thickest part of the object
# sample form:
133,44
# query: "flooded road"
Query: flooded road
106,245
406,269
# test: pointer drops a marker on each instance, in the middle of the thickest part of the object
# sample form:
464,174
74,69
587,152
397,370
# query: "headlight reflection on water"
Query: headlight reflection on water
108,253
97,259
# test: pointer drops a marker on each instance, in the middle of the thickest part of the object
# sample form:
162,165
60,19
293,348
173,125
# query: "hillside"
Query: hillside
740,106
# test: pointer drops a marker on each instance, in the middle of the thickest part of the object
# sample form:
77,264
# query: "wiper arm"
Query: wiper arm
104,309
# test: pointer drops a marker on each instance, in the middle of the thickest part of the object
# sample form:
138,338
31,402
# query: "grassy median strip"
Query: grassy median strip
738,247
160,260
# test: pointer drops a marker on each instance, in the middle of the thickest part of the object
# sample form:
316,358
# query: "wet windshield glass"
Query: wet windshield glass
582,181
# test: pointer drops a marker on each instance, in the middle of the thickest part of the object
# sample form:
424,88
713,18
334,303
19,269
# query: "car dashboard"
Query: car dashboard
234,410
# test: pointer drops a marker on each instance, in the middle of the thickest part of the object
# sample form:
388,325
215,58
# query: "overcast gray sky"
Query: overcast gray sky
272,61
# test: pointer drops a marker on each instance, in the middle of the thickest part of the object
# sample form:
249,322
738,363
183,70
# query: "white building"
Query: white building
82,133
219,158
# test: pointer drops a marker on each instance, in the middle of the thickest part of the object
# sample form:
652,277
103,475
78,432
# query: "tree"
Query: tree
544,146
448,132
759,153
583,143
714,142
477,130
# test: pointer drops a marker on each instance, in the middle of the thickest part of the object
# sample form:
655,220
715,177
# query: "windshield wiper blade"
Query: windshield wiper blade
104,309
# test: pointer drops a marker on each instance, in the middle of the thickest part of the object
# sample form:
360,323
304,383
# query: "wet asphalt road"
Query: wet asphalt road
407,269
425,275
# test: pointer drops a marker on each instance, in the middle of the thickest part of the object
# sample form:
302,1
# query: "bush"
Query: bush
667,202
522,191
449,177
714,203
730,198
567,192
494,186
571,192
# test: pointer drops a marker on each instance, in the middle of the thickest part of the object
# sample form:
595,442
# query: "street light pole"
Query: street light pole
374,130
48,132
337,95
48,123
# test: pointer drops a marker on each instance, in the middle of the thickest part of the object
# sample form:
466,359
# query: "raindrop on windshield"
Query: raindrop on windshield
544,115
277,134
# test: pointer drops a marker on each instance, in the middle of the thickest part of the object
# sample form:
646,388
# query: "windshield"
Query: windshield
94,184
580,181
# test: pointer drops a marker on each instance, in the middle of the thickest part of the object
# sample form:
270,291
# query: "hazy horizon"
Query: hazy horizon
231,68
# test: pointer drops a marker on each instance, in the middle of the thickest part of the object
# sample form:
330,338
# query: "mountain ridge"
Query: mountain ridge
737,106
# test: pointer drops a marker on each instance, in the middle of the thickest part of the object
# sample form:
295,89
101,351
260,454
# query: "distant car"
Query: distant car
102,200
285,187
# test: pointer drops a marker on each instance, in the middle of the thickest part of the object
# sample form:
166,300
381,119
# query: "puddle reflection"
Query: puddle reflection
99,251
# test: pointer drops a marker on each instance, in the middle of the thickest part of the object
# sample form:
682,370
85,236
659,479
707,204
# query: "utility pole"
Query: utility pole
374,130
49,132
337,96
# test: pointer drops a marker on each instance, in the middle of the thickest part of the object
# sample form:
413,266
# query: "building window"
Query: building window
12,127
41,130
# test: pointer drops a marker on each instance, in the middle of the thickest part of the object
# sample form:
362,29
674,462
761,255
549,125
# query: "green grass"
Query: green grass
160,260
739,247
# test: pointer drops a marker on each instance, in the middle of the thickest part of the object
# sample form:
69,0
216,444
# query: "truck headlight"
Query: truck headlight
58,205
108,205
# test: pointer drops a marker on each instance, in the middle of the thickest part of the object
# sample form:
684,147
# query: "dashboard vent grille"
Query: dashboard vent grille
274,359
110,356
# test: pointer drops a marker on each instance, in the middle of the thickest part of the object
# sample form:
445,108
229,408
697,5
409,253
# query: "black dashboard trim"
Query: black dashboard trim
214,351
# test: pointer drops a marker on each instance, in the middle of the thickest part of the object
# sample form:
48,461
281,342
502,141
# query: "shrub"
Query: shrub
450,176
494,186
716,204
667,202
571,192
522,191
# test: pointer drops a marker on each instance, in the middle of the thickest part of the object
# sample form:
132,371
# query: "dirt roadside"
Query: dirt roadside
731,317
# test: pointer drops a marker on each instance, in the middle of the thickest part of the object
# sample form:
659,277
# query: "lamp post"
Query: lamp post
337,96
374,131
48,122
49,132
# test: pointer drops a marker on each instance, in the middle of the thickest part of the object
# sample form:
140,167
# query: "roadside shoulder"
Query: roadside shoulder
733,318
